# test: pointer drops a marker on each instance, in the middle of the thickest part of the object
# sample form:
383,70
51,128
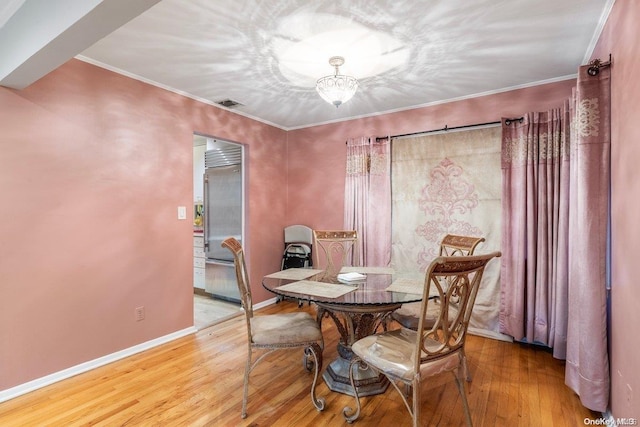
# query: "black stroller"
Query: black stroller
297,249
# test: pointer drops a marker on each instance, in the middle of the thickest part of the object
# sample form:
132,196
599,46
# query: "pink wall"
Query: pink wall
93,166
317,155
92,169
620,38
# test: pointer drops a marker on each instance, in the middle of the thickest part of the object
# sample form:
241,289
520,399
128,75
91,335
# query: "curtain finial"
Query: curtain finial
509,121
596,64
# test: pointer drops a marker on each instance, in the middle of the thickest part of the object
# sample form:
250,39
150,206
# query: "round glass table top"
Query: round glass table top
372,290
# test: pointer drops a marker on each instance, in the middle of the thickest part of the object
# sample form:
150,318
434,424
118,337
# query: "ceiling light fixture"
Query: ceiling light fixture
336,89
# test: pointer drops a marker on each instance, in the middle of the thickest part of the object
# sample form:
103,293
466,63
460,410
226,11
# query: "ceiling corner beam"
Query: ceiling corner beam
44,34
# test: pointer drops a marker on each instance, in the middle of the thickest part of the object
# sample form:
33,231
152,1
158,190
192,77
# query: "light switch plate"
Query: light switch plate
182,212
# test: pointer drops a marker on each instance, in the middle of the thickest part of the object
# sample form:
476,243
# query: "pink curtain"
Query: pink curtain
555,169
368,199
535,210
587,371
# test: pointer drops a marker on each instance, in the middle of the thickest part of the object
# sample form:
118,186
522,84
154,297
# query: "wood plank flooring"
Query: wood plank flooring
197,381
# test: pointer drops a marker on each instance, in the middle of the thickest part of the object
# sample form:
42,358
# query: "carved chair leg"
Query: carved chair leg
320,312
416,403
465,367
245,393
349,414
315,351
461,388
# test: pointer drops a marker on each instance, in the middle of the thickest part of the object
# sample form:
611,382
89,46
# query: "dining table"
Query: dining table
359,300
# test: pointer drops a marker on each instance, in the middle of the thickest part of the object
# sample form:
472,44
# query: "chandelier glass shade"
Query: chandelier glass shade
338,88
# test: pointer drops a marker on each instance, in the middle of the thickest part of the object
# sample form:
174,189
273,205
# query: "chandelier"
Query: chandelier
336,89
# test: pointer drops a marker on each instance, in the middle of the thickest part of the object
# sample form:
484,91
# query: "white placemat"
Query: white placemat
319,289
365,270
407,286
294,273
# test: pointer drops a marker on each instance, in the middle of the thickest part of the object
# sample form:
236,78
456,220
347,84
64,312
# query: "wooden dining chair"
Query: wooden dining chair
452,245
408,315
334,249
272,332
405,356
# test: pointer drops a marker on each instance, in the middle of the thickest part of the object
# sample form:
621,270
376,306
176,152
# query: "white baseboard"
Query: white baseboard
104,360
264,303
92,364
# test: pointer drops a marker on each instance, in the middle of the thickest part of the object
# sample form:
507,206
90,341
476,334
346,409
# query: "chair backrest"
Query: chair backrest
298,240
452,245
241,275
455,280
338,247
298,234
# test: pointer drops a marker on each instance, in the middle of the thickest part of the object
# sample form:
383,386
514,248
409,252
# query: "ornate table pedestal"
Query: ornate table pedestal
354,322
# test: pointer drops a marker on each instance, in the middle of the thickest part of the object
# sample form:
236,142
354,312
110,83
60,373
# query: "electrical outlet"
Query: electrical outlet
139,313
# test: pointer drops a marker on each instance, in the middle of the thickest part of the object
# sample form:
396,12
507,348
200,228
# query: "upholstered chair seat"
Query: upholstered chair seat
284,328
394,352
407,315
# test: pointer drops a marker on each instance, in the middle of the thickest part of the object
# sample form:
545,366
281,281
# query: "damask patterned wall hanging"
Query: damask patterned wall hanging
449,183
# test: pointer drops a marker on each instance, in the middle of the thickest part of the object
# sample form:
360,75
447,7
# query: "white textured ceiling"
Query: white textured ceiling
268,54
8,8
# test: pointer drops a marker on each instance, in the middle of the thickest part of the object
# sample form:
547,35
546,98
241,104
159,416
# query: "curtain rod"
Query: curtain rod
447,128
596,64
593,70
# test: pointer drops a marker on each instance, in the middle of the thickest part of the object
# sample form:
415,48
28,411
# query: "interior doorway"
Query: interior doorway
210,305
208,311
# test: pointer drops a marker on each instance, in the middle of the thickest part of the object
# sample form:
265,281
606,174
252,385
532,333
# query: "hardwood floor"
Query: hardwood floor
197,381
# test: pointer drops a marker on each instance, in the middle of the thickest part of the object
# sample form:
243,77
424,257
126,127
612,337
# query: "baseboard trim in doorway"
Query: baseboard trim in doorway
202,292
239,313
92,364
219,320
